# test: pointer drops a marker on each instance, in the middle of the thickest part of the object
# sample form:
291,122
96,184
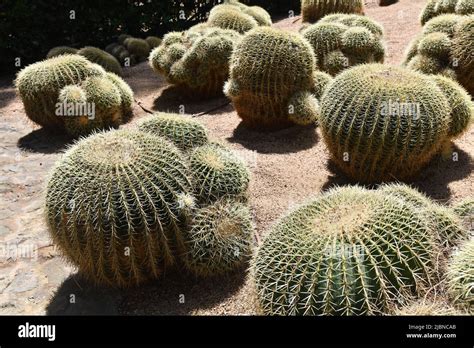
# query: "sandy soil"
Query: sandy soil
287,168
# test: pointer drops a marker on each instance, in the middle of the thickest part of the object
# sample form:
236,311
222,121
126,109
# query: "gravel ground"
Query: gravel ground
288,167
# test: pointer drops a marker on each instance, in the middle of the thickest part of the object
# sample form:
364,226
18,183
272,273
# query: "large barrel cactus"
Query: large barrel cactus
460,276
446,225
313,10
218,173
231,17
341,41
348,252
385,123
273,80
116,204
104,59
183,131
39,85
435,8
196,61
220,239
445,47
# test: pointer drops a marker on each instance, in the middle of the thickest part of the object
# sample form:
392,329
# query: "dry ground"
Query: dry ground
287,167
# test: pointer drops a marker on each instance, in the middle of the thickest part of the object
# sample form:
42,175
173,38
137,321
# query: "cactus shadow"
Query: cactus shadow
433,180
179,293
7,95
289,140
44,141
76,296
173,100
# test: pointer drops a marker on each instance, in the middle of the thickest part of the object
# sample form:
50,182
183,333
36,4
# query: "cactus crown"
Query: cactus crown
313,10
350,251
340,41
264,58
104,59
120,219
387,130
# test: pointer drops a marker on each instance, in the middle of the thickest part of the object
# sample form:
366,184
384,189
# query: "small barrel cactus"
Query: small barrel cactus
104,59
122,37
153,41
428,308
183,131
465,211
313,10
114,206
258,13
435,8
196,61
39,85
273,80
137,47
220,239
218,173
445,47
60,50
348,252
390,128
460,276
341,41
126,96
232,18
448,227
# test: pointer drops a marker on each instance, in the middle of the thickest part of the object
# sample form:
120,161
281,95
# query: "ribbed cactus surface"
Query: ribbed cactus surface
347,252
104,59
60,50
313,10
436,8
460,276
115,204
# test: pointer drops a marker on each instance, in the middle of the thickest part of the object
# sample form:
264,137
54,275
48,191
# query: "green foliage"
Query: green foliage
313,10
197,61
348,252
384,123
121,219
341,41
220,239
460,276
435,8
218,173
60,50
183,131
264,58
104,59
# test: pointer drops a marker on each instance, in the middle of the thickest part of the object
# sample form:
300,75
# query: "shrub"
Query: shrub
390,128
114,206
348,252
313,10
341,41
261,61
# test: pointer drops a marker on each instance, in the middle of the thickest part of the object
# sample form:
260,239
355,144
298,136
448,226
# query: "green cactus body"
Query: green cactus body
218,173
39,85
153,41
110,47
138,47
465,211
196,61
341,41
126,96
272,80
220,239
460,276
313,10
122,37
183,131
384,123
463,48
232,18
436,8
114,206
348,252
446,226
104,59
60,50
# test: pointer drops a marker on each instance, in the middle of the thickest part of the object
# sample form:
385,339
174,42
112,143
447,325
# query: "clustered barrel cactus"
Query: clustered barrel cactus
313,10
114,205
445,47
71,93
385,123
341,41
460,276
239,17
196,61
348,252
273,80
104,59
435,8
